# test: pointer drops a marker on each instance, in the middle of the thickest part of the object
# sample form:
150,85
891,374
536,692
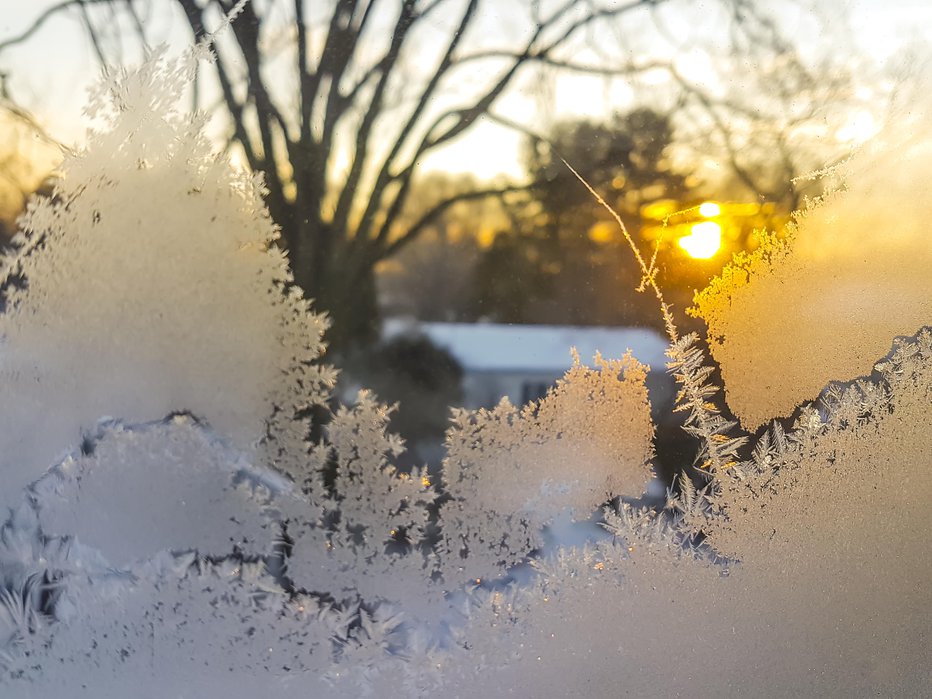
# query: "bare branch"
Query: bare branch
405,19
42,19
137,20
346,195
464,118
246,30
630,68
304,86
711,109
438,209
341,101
9,104
519,127
92,34
237,111
592,17
333,47
247,34
338,101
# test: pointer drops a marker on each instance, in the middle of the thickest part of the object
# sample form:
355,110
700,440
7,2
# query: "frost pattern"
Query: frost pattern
219,536
512,471
371,518
217,552
157,488
809,579
867,440
787,319
704,421
193,314
156,620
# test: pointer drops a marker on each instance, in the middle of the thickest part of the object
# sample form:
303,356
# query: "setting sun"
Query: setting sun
704,240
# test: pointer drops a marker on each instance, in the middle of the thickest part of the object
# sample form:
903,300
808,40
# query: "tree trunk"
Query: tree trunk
350,299
340,286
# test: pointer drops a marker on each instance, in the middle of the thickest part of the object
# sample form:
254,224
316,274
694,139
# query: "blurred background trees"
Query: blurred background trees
349,108
24,159
341,103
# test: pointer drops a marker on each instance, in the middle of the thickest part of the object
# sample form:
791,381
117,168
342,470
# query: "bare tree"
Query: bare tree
22,142
339,105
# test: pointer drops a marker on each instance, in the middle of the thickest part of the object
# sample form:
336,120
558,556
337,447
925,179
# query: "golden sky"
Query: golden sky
49,74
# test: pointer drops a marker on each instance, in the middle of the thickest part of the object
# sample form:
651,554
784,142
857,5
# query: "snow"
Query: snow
527,348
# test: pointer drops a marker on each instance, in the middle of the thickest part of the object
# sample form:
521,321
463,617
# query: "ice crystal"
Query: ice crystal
809,578
789,318
718,444
202,620
149,288
161,487
372,518
218,552
512,471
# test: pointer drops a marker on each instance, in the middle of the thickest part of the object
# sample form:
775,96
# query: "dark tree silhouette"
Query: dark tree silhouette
625,159
564,262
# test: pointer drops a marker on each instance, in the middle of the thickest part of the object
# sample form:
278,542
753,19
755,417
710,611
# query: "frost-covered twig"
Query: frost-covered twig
704,421
688,366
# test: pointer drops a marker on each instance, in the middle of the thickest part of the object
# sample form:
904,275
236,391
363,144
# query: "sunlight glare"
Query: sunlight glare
237,160
486,236
709,209
704,240
602,232
859,128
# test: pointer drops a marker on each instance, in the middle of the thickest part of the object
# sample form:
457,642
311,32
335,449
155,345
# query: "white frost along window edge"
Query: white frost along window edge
805,504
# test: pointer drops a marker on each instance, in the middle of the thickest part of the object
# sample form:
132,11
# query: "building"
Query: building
523,361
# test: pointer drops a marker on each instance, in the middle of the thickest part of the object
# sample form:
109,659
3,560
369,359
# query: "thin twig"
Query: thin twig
688,366
649,273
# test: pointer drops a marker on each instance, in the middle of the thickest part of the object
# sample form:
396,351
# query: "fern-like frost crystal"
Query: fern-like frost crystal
173,530
787,319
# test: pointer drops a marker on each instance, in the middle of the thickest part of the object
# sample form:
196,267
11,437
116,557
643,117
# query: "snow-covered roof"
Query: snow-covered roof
544,348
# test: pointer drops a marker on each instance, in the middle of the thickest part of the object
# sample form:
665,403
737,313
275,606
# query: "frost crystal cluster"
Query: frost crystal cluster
512,470
787,319
175,530
144,286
